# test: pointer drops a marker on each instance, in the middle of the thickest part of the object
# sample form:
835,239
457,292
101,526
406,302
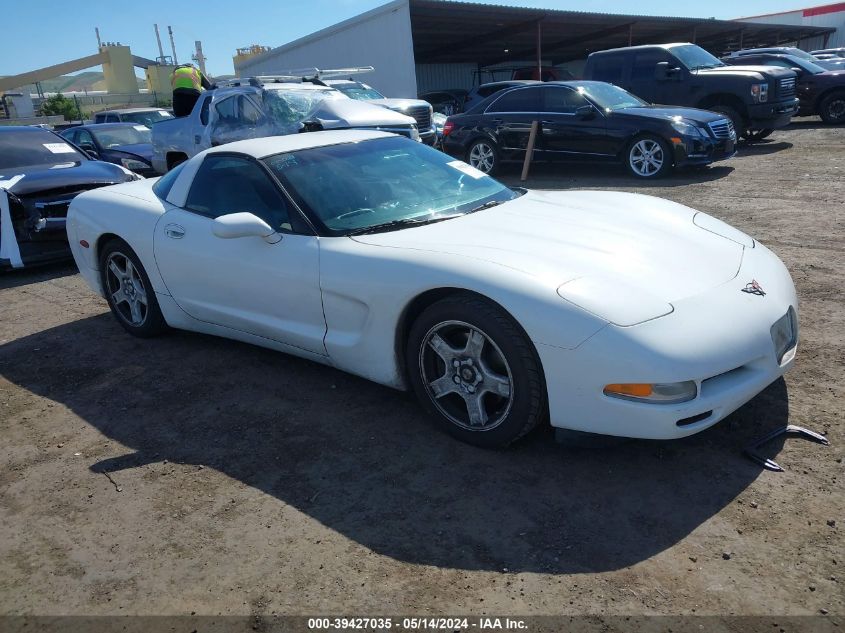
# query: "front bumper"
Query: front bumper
764,116
695,150
720,339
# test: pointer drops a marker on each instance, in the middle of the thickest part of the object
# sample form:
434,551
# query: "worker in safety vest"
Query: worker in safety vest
187,82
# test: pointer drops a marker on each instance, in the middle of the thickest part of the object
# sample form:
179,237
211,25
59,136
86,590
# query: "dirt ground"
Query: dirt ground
192,474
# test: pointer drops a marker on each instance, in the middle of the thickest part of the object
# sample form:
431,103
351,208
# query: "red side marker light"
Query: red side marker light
84,244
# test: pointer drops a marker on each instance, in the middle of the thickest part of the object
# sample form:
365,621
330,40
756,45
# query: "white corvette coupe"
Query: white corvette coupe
608,313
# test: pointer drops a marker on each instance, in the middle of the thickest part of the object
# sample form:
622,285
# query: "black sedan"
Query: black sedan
40,174
127,144
592,120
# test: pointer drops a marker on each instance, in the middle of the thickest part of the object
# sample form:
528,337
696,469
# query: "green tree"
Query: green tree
59,104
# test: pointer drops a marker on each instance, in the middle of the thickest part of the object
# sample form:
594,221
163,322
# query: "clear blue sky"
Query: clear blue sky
37,34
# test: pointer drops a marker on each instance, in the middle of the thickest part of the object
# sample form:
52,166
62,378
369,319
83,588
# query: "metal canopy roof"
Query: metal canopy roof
451,32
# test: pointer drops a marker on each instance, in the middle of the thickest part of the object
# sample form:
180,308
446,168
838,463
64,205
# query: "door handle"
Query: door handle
174,231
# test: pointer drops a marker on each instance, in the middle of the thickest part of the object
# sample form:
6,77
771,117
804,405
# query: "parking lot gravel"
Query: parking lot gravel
188,474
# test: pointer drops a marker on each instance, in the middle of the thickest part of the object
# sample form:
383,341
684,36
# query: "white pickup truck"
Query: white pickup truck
267,106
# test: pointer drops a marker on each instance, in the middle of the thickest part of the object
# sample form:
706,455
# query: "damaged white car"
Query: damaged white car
500,308
267,106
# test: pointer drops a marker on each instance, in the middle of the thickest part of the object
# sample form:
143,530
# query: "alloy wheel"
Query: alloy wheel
482,157
466,375
836,110
126,289
646,157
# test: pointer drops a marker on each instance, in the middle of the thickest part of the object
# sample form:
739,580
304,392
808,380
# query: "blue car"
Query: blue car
126,144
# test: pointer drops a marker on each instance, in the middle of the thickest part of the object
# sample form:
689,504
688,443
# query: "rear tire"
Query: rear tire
648,157
484,156
128,291
475,371
832,108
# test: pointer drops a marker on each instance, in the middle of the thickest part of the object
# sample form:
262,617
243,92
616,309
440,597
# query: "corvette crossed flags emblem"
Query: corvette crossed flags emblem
754,288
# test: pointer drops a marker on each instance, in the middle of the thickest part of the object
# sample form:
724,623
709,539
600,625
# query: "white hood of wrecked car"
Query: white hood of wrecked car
625,257
341,113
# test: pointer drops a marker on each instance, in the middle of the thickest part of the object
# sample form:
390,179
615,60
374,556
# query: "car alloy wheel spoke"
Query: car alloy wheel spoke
443,349
475,409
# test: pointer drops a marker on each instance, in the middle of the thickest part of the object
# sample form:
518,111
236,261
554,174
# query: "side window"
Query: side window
562,100
520,100
608,68
248,113
229,184
83,137
99,119
206,102
112,118
644,62
226,109
71,135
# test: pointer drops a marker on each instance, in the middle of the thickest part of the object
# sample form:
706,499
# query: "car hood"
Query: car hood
671,112
398,104
753,72
604,244
143,151
44,177
343,113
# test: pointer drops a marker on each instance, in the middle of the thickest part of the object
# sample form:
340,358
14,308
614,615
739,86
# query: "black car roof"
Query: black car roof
105,126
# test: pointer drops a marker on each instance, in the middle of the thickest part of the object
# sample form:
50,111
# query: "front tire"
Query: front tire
832,108
484,156
648,156
128,291
757,135
475,371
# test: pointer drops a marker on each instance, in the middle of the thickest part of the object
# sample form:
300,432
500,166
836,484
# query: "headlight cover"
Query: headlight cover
760,92
689,129
785,335
133,164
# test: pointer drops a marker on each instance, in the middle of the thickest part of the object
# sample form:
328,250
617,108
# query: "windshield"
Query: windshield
116,136
359,91
355,186
146,118
609,97
809,66
797,52
29,147
694,57
291,106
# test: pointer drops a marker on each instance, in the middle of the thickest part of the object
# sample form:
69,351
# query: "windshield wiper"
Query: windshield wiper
486,205
396,224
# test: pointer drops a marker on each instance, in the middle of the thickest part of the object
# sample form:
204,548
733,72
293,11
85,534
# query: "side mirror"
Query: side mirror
244,224
90,150
585,112
663,71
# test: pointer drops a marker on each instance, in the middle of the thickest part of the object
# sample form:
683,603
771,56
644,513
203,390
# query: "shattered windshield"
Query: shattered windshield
290,106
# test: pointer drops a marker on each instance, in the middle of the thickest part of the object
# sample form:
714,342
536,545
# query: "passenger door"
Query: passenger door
246,283
510,116
566,130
